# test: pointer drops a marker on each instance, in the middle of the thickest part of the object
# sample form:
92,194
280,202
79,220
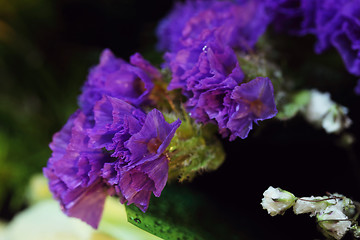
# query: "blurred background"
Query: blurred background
46,50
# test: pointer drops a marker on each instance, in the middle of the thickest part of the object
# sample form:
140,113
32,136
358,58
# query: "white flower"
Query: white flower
318,106
324,112
277,201
336,119
311,205
333,221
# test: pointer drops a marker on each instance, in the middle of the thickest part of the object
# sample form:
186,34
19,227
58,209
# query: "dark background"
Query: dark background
46,49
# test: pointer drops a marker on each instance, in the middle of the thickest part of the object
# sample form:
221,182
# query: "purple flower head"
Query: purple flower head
181,64
211,81
74,172
147,168
238,25
138,61
118,151
115,122
346,38
152,140
170,29
335,23
138,183
116,78
213,62
255,101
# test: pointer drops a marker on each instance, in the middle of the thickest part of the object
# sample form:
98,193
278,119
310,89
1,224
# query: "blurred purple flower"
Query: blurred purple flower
238,25
335,23
170,29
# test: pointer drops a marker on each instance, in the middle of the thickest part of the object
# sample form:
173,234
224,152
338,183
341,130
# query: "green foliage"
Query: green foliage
38,90
180,214
296,103
194,148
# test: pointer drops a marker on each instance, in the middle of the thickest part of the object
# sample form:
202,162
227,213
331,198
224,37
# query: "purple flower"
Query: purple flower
213,77
115,122
346,38
238,25
138,142
152,140
116,78
147,168
138,61
169,30
335,23
74,172
255,102
138,183
117,151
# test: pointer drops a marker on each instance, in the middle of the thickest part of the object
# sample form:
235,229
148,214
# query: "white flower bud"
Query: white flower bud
318,107
277,201
333,221
312,205
336,119
324,112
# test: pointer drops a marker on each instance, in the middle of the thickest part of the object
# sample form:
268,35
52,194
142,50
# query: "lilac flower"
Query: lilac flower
255,102
74,172
116,78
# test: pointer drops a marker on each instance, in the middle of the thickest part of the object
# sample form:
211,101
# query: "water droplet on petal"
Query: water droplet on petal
205,49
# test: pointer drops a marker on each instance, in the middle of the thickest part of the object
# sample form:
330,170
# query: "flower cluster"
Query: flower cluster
110,146
202,54
116,143
334,23
332,212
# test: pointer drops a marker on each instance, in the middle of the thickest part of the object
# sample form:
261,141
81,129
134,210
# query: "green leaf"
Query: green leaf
180,214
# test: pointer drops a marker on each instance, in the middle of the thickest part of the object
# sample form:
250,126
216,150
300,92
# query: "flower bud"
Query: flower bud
333,222
277,201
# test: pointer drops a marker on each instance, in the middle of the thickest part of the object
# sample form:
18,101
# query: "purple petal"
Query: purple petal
255,101
89,205
152,139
